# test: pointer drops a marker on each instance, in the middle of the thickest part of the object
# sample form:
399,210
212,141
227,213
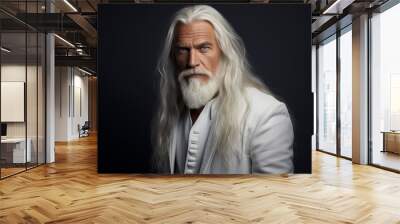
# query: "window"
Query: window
385,88
346,93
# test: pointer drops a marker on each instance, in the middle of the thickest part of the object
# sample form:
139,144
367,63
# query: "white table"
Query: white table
18,145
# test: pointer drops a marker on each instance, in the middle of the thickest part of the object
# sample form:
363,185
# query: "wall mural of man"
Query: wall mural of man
215,116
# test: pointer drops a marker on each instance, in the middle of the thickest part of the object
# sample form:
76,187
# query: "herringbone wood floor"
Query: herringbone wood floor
71,191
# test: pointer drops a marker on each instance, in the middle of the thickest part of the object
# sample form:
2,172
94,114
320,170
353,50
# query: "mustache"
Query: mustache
198,71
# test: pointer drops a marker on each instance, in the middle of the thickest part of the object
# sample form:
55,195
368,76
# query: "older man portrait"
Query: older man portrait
215,116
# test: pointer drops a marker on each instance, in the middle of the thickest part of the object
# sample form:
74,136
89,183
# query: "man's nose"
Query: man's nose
193,59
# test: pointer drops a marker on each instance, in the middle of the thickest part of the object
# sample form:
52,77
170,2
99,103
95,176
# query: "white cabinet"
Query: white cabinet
19,155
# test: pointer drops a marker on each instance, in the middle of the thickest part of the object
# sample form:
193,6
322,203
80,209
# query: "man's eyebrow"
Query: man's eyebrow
202,44
181,45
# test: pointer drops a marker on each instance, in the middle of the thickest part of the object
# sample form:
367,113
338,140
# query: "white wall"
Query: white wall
62,81
14,73
80,102
71,93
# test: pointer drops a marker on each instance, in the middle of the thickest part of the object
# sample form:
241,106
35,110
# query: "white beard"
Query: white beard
197,94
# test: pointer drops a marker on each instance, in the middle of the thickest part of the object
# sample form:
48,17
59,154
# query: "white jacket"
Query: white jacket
266,144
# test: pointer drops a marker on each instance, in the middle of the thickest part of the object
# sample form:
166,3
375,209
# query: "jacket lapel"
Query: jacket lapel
208,155
209,148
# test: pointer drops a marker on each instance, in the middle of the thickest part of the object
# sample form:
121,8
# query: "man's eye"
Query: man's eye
204,49
182,50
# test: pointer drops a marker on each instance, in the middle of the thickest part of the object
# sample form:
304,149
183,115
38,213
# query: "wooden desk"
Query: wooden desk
13,150
391,141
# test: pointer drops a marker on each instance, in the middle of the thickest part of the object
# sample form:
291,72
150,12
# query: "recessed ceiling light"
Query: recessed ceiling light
337,7
64,40
5,50
84,71
70,5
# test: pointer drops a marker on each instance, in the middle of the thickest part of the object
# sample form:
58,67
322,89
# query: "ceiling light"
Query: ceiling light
5,50
70,5
337,7
84,71
64,40
329,9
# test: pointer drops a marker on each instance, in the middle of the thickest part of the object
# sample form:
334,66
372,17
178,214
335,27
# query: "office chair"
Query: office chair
84,130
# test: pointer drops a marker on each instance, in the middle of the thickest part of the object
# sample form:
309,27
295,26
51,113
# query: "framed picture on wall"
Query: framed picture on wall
205,89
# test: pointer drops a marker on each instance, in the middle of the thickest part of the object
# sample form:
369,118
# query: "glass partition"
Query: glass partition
31,100
22,101
14,153
327,95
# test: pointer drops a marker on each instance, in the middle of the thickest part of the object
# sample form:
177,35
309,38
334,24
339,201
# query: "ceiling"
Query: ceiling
76,22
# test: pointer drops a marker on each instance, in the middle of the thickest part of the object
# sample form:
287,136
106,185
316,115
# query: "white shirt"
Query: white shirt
190,154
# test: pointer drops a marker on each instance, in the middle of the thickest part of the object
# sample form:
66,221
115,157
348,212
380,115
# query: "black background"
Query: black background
278,43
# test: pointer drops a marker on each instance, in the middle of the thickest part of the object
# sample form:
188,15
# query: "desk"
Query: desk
13,150
391,141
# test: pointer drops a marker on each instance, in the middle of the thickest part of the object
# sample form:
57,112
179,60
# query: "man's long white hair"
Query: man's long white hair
231,102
